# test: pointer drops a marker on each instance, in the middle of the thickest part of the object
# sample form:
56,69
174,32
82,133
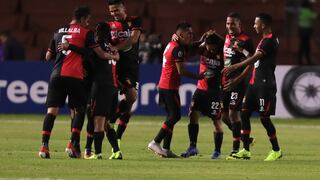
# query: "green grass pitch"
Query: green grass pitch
20,141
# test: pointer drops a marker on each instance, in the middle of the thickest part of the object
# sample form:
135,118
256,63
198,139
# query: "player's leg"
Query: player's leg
267,105
218,138
193,126
249,105
225,109
47,127
90,131
55,99
125,106
77,102
171,100
98,136
193,130
112,138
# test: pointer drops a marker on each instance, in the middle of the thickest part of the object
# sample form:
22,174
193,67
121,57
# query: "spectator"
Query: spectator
144,49
12,49
306,18
291,10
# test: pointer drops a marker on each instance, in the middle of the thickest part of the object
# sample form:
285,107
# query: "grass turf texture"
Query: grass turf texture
20,142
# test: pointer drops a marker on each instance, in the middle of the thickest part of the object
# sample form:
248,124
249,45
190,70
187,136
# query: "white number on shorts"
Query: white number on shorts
234,95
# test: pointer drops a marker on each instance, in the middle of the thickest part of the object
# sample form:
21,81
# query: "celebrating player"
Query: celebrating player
172,68
261,93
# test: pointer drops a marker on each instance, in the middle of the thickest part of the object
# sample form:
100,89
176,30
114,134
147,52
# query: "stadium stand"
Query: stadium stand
32,22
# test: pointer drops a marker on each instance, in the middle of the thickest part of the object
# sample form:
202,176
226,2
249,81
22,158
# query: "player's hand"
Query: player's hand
174,37
231,83
116,56
208,73
113,48
228,70
63,46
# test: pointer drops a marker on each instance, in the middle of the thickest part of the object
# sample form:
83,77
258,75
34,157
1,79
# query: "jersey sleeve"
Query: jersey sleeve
90,42
52,46
178,54
248,45
137,24
266,47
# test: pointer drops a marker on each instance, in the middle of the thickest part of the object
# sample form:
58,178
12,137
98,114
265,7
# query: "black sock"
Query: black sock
218,138
122,124
271,131
160,136
112,138
167,140
236,133
48,123
246,129
90,131
193,130
98,138
77,127
228,123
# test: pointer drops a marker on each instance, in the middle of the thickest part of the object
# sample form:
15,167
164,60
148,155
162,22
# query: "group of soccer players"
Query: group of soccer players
222,89
92,66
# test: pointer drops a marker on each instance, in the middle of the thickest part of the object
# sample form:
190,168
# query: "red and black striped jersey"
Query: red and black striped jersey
121,30
263,72
232,56
69,63
213,62
170,78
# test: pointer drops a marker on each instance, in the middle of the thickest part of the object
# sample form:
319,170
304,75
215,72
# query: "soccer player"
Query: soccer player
67,79
125,34
104,94
261,93
206,99
172,68
104,97
235,84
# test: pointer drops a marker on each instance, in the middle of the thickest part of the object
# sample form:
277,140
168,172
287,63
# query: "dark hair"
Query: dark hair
112,2
80,12
183,26
265,18
234,15
103,33
214,39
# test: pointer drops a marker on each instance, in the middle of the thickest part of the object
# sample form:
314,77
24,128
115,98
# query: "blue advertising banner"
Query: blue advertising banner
24,85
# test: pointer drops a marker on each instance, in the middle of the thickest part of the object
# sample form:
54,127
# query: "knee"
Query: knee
234,116
53,111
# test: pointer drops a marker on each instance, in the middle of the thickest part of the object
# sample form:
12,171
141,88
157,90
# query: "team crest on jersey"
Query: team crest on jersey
129,24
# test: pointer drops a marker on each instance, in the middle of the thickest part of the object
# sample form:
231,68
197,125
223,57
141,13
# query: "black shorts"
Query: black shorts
62,87
104,99
128,70
207,102
233,99
170,101
261,99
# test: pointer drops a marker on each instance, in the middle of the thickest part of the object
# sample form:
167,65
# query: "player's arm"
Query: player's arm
184,72
250,60
91,44
178,55
233,82
105,55
134,38
51,53
67,46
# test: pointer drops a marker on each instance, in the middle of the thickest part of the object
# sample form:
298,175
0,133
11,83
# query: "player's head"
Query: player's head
102,33
82,15
233,23
262,22
117,9
213,43
185,33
